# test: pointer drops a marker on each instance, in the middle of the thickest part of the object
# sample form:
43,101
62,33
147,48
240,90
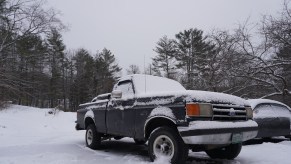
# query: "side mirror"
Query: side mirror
94,99
116,94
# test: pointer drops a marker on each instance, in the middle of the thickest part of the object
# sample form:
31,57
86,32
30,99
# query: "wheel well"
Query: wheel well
88,121
158,122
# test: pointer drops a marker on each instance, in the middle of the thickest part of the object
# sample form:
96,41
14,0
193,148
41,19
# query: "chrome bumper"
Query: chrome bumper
217,132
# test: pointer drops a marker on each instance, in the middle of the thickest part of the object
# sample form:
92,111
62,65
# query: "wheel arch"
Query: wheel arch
89,118
158,121
88,121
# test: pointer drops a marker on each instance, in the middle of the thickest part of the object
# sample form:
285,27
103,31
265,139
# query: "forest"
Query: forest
36,69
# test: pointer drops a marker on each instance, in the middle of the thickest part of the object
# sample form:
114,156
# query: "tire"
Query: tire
139,142
228,152
93,138
166,142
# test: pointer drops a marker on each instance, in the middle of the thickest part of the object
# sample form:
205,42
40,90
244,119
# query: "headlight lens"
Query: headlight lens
202,110
249,111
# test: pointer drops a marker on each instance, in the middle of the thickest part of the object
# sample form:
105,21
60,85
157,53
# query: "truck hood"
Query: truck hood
201,96
214,97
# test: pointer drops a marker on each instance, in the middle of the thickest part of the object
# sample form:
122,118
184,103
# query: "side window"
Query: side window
126,88
263,110
280,110
271,110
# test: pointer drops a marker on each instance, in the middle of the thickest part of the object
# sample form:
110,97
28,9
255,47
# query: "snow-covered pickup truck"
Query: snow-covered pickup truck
171,118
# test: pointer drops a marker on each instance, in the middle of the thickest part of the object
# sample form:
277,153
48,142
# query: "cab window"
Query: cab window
127,89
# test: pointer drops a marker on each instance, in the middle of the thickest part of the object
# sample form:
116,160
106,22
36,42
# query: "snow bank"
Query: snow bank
32,136
28,125
266,153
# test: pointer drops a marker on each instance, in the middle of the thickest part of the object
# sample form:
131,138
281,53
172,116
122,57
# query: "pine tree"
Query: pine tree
164,63
192,54
83,85
108,71
56,57
31,52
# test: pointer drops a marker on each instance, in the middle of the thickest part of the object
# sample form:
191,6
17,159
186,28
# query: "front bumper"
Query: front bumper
218,132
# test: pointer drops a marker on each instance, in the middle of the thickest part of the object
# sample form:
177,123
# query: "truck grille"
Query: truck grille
222,112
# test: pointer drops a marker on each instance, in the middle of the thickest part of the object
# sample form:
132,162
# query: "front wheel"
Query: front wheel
165,142
228,152
93,138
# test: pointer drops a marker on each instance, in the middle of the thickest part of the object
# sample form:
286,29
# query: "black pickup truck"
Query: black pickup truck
171,118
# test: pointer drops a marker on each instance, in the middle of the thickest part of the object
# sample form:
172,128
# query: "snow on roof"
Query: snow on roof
148,84
255,102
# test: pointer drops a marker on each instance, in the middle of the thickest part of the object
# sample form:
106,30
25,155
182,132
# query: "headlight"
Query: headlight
202,110
249,111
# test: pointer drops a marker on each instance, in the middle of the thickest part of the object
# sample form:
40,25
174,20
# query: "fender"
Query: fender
160,112
89,114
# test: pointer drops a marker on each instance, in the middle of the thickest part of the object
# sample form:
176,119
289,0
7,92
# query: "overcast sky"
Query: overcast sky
131,28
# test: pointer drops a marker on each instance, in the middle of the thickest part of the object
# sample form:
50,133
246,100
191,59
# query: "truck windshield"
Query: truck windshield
146,84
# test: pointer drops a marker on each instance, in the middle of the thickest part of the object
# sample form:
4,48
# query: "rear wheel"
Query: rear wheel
228,152
165,142
93,138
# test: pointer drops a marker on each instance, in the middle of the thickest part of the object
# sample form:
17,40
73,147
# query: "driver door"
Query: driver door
120,111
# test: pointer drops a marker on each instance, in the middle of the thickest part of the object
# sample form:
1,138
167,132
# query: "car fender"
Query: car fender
160,112
89,114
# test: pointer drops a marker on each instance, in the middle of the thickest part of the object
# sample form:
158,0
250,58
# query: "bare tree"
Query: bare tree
21,20
133,69
278,32
25,17
268,55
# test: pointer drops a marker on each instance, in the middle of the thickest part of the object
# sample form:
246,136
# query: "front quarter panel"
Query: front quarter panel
153,107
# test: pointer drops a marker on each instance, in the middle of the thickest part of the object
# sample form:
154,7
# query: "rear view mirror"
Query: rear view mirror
116,94
94,99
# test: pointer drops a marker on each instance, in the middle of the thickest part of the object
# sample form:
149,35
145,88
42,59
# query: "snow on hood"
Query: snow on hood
215,97
201,96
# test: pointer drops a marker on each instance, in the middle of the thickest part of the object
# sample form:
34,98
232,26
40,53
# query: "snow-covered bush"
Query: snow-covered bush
54,111
4,104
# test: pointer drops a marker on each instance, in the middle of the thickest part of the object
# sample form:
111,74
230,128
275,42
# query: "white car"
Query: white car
273,118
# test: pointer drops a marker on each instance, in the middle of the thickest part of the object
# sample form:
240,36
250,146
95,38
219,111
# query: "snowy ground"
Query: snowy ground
31,135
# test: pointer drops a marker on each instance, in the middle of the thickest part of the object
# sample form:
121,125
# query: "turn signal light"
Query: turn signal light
195,109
